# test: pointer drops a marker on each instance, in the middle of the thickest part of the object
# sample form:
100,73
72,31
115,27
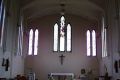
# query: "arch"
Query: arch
68,37
93,43
36,42
30,42
55,37
88,43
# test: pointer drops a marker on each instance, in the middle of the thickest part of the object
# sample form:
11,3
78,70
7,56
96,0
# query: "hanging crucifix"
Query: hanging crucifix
61,58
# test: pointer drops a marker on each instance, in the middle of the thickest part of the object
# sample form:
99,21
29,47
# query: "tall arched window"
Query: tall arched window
91,43
2,20
33,42
88,43
30,42
56,37
68,37
20,39
104,39
36,42
62,36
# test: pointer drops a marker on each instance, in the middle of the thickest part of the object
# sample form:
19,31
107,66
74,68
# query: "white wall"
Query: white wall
10,49
47,61
112,40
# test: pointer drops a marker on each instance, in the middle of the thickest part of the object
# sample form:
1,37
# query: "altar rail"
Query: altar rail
52,75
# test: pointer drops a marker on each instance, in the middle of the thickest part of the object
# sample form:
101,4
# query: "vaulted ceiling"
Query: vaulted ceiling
90,9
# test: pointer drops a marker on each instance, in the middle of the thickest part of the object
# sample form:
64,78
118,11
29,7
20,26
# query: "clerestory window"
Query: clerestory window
33,42
91,43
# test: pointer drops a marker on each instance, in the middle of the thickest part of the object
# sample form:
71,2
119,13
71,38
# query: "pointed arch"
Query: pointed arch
36,42
62,20
88,43
105,43
62,34
55,37
104,39
68,37
20,40
30,42
93,43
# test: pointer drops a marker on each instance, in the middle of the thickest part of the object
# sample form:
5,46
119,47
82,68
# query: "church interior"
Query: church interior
60,39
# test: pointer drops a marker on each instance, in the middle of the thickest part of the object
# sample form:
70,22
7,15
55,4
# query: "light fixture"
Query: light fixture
62,12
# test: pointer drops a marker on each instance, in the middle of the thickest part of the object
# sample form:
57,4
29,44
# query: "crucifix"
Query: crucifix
61,58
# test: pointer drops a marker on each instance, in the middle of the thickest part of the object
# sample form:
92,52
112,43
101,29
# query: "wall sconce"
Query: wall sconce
5,63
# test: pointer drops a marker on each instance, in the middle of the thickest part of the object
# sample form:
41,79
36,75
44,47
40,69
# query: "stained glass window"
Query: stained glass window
62,36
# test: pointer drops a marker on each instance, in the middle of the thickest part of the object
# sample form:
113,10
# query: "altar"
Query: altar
61,76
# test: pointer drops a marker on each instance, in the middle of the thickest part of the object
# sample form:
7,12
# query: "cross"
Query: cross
61,58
